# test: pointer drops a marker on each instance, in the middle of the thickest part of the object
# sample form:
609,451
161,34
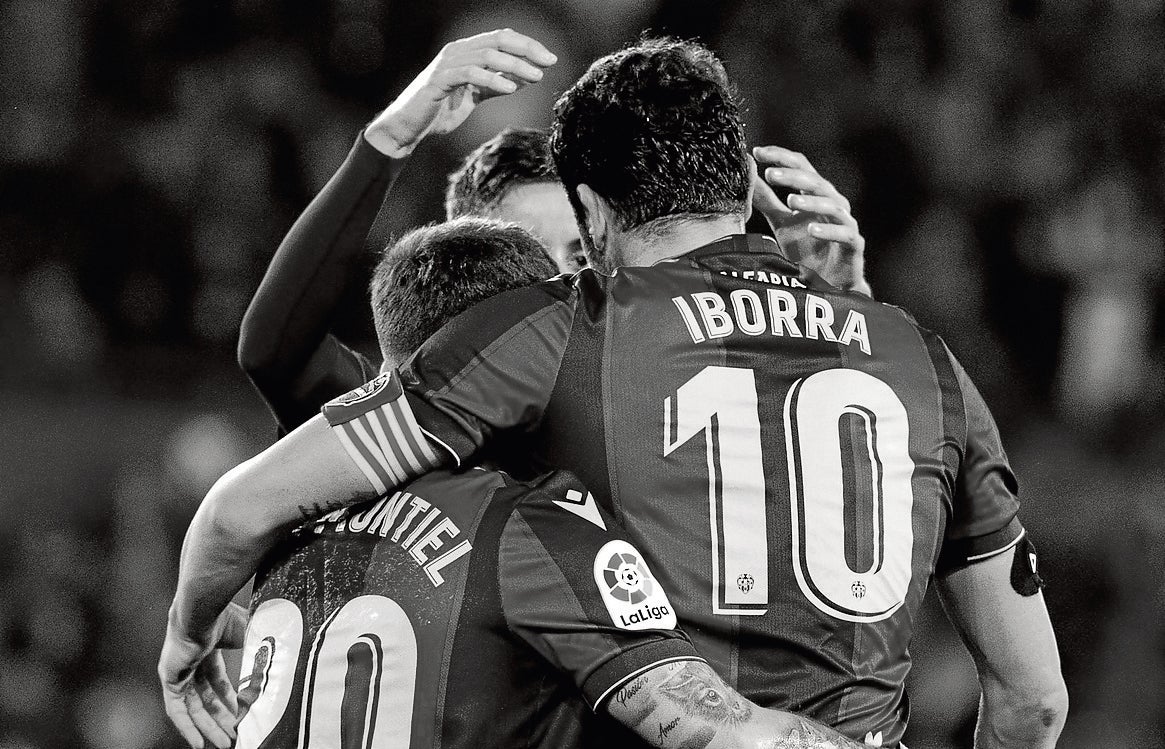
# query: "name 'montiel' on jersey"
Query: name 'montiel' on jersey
459,611
433,541
798,461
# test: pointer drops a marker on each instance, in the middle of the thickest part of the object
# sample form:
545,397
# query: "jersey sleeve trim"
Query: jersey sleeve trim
967,551
378,430
626,665
1000,550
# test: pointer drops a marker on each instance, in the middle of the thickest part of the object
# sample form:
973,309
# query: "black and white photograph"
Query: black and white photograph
582,374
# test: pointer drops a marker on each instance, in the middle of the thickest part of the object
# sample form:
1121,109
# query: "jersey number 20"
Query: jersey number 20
849,472
359,681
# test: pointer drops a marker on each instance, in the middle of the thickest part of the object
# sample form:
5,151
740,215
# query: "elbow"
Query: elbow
225,517
255,355
1032,716
1047,705
230,514
1052,707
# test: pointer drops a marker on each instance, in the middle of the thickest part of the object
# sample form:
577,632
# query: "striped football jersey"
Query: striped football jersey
799,461
461,610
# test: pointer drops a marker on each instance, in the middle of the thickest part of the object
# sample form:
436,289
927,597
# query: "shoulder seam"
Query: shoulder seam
525,530
477,360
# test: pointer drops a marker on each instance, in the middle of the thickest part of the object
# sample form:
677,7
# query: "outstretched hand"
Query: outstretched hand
199,697
463,73
815,228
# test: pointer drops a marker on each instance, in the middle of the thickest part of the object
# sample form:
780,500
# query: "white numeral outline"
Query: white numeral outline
722,403
813,410
370,621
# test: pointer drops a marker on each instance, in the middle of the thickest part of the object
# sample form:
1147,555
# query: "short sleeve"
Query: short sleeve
985,502
576,589
492,368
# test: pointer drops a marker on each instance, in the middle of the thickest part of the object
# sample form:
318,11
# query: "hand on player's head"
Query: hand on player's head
813,225
462,74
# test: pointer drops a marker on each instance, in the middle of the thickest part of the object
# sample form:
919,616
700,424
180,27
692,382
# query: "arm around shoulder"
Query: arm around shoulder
686,704
303,476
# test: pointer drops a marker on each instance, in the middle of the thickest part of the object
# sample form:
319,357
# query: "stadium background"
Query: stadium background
1006,161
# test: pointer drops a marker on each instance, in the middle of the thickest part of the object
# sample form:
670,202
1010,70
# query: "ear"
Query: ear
598,216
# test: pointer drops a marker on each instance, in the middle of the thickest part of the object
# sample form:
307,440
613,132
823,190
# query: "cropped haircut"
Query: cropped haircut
515,156
655,130
434,273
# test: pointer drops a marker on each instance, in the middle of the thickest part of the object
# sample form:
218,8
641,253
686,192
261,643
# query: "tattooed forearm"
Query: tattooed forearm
686,705
701,693
667,728
627,693
633,704
317,509
808,734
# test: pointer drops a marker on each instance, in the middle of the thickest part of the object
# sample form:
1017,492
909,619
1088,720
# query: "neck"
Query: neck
638,248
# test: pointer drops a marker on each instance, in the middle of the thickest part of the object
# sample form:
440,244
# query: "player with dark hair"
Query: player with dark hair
679,156
284,344
511,177
464,609
798,461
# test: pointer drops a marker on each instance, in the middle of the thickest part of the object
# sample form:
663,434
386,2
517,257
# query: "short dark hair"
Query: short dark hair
434,273
654,129
515,156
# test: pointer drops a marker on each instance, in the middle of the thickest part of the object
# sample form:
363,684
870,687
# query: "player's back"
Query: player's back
390,613
787,453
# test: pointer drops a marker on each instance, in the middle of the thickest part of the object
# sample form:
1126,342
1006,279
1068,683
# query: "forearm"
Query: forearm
293,308
1008,721
301,477
686,704
218,557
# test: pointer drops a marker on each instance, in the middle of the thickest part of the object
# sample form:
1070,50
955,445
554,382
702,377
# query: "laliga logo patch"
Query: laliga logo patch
633,598
367,390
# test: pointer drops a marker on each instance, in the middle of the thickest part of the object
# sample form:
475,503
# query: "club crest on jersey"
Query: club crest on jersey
633,597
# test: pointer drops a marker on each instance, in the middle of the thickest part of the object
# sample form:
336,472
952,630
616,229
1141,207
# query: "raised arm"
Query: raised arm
1024,701
813,225
284,345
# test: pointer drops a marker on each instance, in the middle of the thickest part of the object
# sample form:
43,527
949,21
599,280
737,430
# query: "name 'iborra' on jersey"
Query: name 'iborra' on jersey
715,314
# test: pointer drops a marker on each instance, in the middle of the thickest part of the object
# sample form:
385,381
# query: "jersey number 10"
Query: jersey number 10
849,474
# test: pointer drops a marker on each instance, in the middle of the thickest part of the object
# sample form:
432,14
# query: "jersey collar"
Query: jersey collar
718,256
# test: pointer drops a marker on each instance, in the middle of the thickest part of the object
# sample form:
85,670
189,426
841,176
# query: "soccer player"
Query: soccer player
465,609
284,344
799,462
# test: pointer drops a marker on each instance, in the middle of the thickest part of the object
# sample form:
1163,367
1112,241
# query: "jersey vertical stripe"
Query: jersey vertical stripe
413,432
361,457
388,440
381,454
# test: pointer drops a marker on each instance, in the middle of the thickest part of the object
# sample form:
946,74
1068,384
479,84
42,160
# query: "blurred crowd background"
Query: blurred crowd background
1006,161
